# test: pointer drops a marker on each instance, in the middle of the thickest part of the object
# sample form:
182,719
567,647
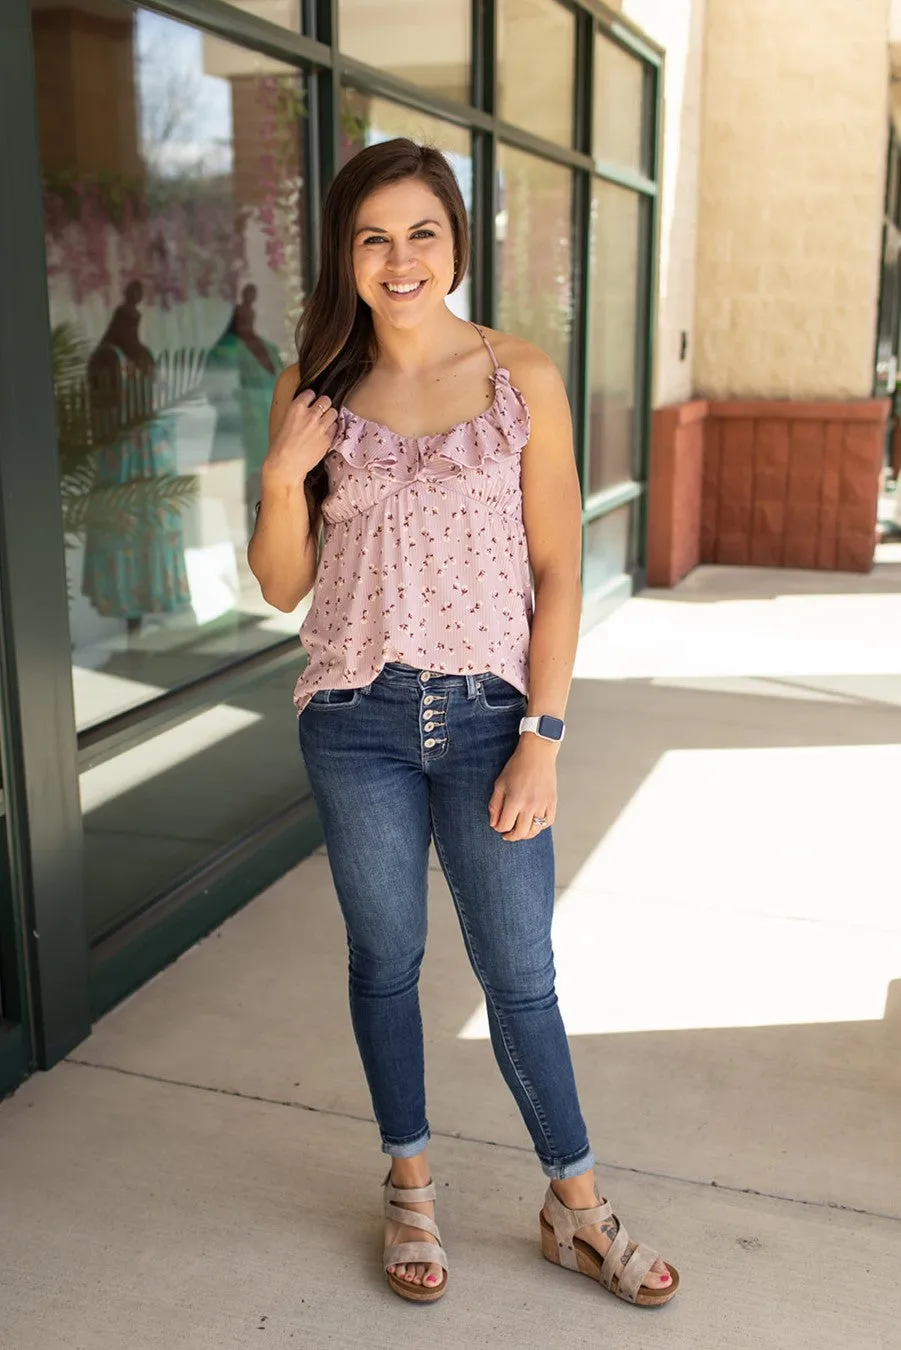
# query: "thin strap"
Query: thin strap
638,1266
411,1218
406,1253
413,1195
488,345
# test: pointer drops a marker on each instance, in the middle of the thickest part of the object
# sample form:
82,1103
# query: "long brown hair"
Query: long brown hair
336,344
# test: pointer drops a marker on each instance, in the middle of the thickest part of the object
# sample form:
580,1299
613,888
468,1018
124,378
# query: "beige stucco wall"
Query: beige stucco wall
894,37
792,179
678,27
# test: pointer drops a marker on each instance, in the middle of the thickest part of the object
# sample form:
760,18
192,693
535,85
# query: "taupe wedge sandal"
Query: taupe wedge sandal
413,1253
560,1245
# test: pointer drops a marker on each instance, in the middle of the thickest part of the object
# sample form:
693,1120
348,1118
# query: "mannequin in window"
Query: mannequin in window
136,566
257,363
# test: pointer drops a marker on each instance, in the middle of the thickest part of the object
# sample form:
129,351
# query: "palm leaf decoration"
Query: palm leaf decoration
84,429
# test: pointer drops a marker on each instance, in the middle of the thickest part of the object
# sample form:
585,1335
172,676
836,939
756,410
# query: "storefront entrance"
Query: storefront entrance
169,163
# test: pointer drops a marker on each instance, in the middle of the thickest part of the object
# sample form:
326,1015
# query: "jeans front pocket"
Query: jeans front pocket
497,695
332,700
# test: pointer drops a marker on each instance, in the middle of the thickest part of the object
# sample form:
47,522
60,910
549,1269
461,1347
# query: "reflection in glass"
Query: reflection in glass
164,806
367,121
426,42
606,554
173,182
134,556
286,13
615,240
619,107
534,252
536,46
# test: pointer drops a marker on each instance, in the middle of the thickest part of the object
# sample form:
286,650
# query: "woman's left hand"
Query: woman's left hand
526,788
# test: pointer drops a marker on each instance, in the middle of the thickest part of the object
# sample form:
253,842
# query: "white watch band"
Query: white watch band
534,724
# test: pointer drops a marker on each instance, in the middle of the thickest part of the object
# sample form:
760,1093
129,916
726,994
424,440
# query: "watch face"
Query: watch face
551,728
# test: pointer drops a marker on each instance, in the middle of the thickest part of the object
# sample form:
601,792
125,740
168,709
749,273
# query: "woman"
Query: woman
422,648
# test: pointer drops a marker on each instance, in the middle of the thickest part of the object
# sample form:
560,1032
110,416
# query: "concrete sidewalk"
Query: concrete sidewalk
203,1172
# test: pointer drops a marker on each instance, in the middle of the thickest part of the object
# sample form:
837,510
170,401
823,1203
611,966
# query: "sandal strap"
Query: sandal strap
637,1267
415,1253
567,1221
613,1262
630,1276
410,1219
413,1195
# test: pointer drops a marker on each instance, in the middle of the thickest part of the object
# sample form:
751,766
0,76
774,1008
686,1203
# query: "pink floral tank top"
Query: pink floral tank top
424,557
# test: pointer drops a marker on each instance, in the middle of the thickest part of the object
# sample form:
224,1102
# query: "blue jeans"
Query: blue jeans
411,757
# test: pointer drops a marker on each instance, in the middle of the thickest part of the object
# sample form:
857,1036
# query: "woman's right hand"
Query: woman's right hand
303,439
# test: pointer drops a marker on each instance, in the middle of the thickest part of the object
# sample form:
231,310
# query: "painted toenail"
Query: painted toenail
664,1278
431,1279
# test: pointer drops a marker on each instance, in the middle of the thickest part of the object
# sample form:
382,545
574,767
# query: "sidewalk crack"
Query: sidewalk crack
486,1143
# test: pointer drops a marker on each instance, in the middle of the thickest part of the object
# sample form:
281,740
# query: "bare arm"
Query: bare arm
552,513
282,549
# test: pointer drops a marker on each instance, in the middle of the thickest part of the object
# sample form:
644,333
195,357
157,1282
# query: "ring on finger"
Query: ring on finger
540,821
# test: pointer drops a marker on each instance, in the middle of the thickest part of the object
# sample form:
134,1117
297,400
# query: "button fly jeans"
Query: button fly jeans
411,757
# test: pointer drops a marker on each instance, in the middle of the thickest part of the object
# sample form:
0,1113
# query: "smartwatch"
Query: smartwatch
548,728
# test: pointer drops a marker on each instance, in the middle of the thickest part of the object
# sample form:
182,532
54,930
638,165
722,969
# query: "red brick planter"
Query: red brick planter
781,484
675,492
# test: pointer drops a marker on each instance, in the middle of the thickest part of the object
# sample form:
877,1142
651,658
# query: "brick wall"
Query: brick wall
792,178
676,492
790,484
793,484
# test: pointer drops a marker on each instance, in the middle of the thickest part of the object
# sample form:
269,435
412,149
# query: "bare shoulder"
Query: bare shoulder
531,369
286,384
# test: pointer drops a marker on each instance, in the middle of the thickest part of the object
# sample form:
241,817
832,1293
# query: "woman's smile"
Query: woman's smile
403,290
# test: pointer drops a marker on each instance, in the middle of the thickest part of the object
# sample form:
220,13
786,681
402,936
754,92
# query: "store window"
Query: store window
422,41
606,551
615,255
173,181
366,120
536,46
156,811
621,106
534,252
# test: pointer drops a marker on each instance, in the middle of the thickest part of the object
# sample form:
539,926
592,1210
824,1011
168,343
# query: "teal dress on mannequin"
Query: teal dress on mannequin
135,566
255,364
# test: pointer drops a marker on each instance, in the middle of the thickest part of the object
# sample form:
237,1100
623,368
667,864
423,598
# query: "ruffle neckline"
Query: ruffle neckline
498,433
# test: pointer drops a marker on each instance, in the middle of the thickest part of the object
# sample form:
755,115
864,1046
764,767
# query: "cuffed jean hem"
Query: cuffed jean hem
562,1171
409,1150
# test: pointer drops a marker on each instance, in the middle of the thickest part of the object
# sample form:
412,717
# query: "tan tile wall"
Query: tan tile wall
894,20
792,180
678,27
